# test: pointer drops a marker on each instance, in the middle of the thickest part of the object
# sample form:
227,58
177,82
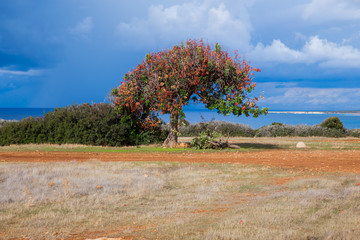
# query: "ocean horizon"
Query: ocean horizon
351,119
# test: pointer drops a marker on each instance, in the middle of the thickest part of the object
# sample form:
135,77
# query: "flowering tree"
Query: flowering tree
168,80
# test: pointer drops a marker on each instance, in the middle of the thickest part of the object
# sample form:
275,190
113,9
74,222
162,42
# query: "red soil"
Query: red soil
311,160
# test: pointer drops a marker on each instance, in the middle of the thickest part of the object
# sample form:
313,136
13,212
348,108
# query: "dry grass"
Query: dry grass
175,201
313,143
245,143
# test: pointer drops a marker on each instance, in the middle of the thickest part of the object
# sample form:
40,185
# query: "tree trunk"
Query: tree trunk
172,139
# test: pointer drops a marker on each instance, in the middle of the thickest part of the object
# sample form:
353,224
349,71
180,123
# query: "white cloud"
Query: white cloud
315,50
84,27
339,97
30,72
323,10
231,27
208,20
331,54
354,38
278,52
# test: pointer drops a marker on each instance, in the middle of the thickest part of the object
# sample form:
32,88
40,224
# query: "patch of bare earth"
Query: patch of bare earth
312,160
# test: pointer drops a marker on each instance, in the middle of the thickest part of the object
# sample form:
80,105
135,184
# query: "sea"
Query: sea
350,119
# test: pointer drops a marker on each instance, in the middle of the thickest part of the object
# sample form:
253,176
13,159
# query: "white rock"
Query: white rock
300,145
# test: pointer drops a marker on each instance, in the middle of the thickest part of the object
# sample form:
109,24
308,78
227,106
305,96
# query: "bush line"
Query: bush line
274,130
101,125
90,124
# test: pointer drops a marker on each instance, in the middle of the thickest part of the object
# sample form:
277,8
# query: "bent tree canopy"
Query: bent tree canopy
168,80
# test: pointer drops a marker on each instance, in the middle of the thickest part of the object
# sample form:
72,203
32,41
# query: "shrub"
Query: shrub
317,130
333,123
96,124
276,131
233,129
354,133
298,130
228,129
204,140
208,137
225,128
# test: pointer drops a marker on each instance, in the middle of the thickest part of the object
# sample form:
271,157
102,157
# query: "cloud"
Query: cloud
210,21
325,10
330,54
83,28
315,50
341,98
232,28
218,23
30,72
278,52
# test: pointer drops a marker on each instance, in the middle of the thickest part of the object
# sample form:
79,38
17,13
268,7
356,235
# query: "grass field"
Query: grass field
246,144
175,201
163,200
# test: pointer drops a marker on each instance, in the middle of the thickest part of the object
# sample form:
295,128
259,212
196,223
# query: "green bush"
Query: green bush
208,137
298,131
354,133
97,124
276,130
203,141
333,123
224,128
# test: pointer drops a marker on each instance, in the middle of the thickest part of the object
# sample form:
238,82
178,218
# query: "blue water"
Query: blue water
350,120
21,113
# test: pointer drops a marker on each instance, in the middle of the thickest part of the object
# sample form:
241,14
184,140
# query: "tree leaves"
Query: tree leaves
167,80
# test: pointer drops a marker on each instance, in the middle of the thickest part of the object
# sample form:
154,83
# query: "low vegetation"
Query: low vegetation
226,129
331,127
245,144
175,201
299,130
90,124
354,133
333,123
101,125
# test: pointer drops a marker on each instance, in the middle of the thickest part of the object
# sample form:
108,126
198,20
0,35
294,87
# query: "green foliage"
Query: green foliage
276,131
298,131
201,142
96,124
354,133
227,129
333,123
207,138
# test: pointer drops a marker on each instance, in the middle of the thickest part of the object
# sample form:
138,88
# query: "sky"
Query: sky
61,52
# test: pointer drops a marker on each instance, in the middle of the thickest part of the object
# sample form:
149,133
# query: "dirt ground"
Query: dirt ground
311,160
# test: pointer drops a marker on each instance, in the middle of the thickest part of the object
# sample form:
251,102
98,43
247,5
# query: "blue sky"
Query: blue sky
60,52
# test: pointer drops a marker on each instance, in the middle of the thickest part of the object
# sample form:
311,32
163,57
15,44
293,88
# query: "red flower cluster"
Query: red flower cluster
166,81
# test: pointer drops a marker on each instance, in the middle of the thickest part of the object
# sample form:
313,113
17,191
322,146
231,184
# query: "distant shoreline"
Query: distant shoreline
350,118
4,120
317,112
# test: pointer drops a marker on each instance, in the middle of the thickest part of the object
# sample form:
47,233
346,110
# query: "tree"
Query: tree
168,80
333,122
